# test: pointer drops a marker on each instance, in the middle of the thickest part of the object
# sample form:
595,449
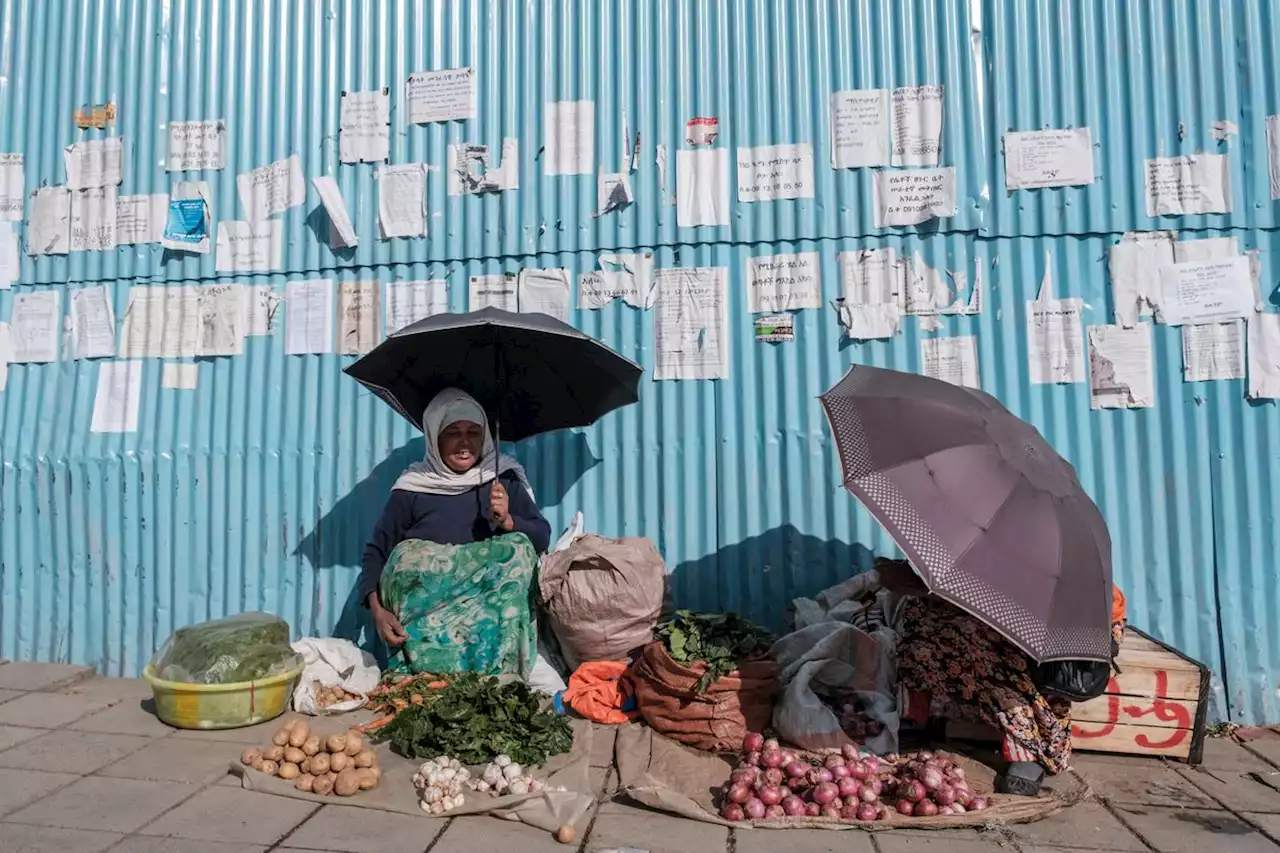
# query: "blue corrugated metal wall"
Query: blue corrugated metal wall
257,490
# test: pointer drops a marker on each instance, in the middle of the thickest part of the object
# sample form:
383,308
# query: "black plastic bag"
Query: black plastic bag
1077,680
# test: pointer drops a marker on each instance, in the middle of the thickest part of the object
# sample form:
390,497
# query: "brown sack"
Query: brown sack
603,597
716,720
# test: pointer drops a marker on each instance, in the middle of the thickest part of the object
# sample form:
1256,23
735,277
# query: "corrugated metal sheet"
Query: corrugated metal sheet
258,489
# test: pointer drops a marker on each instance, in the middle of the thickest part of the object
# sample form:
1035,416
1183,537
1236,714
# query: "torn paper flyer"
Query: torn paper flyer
1207,249
308,324
917,125
93,220
570,134
261,302
701,130
342,234
140,219
873,293
691,326
35,327
1192,183
777,283
364,127
49,228
180,377
626,276
445,95
359,316
118,398
407,302
1264,356
402,200
1121,373
702,187
953,360
912,197
222,319
859,128
93,323
13,187
1213,352
774,172
1134,265
250,246
196,146
775,329
544,291
161,322
10,259
493,291
1206,291
471,171
94,163
613,192
1048,158
273,188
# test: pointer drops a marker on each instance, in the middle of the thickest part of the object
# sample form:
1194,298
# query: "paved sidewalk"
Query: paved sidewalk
85,767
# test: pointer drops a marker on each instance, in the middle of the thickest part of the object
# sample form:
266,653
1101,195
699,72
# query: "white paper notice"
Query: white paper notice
196,146
6,352
359,316
364,127
1264,356
493,291
953,360
49,228
1206,291
190,190
1134,264
181,377
691,328
860,128
1273,154
402,200
1213,352
309,317
13,187
222,319
917,125
273,188
93,220
35,325
1121,374
161,322
95,163
116,403
626,276
1048,158
410,301
1055,337
342,234
909,198
445,95
777,283
93,323
773,172
471,170
570,138
10,260
260,305
1192,183
250,246
140,219
873,293
1208,249
545,292
702,187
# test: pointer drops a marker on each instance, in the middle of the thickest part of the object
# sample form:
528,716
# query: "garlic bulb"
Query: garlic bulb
502,761
512,771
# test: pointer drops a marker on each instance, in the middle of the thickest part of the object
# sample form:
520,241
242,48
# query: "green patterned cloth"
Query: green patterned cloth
466,608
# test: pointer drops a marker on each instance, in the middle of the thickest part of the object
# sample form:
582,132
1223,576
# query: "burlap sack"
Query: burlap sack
716,720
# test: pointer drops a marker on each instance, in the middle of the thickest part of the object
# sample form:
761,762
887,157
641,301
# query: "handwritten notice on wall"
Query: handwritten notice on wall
250,246
1206,291
499,291
917,125
308,325
118,397
140,219
545,291
196,146
1048,158
222,319
359,316
623,275
402,200
93,323
953,360
273,188
912,197
773,172
94,163
1213,352
1055,338
35,324
161,322
445,95
690,329
1192,183
13,187
859,128
778,283
702,187
93,220
261,303
1121,374
569,138
873,293
408,302
364,127
49,227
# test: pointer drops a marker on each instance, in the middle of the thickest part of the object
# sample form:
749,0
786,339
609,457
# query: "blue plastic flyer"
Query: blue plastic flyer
186,222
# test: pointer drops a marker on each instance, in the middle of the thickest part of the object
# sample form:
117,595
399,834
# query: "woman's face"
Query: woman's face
460,445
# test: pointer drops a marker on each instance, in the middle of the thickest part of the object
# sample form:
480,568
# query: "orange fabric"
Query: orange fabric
599,689
1117,605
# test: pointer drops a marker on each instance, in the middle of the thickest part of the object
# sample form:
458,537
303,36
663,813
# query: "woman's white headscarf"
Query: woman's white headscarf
432,476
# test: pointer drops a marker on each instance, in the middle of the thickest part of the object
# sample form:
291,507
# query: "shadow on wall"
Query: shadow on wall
758,577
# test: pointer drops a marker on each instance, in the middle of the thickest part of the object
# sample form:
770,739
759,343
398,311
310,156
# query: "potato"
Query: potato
274,753
311,745
281,738
290,723
295,755
339,762
348,783
269,767
323,786
355,743
336,743
299,733
320,763
364,759
376,771
251,756
288,770
366,778
306,782
331,776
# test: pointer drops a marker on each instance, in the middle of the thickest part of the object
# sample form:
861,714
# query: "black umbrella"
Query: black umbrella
532,373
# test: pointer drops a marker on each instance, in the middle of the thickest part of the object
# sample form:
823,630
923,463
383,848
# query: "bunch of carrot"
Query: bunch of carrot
396,693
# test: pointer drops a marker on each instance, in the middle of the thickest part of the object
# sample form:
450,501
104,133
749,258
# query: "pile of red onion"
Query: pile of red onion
773,783
852,718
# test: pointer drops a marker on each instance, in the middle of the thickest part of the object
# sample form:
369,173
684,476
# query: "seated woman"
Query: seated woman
447,573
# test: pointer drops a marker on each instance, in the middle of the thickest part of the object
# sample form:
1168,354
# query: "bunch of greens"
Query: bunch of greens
246,647
476,719
722,641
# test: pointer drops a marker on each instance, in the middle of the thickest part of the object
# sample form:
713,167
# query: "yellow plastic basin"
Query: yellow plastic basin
221,706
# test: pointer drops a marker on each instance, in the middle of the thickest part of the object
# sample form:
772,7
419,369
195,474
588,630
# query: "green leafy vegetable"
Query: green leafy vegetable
246,647
475,719
722,641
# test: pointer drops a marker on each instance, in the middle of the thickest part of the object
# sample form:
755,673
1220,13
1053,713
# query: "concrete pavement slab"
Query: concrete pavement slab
802,841
111,689
48,710
1268,824
232,815
895,841
259,735
1197,831
149,844
23,675
20,838
356,830
127,717
193,762
1085,825
71,752
14,735
6,695
20,787
481,834
1221,753
1235,790
620,825
107,805
1160,785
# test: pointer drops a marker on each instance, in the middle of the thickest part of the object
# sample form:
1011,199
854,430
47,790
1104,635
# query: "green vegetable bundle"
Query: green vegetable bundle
476,719
246,647
722,641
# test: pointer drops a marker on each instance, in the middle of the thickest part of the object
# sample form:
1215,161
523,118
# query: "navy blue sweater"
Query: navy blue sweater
448,520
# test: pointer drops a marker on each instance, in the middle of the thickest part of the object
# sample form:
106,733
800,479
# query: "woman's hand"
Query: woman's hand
388,626
500,508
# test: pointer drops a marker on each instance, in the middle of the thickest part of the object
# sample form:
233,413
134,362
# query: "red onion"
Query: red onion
850,812
732,812
773,776
753,742
771,758
770,744
840,771
793,806
957,808
859,771
867,813
738,794
774,812
744,775
954,772
770,795
848,787
876,784
926,808
833,760
963,797
831,811
914,792
931,778
849,751
822,774
882,811
754,808
944,796
812,809
796,769
892,757
924,755
905,807
977,804
785,791
873,764
751,759
944,810
787,757
824,793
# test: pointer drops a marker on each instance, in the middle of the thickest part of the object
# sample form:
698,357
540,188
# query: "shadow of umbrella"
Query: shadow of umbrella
555,462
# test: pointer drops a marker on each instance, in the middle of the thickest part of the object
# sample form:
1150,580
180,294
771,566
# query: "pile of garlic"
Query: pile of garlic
504,776
439,783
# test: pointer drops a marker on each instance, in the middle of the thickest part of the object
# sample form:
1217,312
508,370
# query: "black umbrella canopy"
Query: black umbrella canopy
531,372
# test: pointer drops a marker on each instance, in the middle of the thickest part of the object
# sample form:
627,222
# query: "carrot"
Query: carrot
437,685
408,679
401,704
374,725
415,699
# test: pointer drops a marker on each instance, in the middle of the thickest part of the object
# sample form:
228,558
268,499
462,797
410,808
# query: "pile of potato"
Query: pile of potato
329,696
341,764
